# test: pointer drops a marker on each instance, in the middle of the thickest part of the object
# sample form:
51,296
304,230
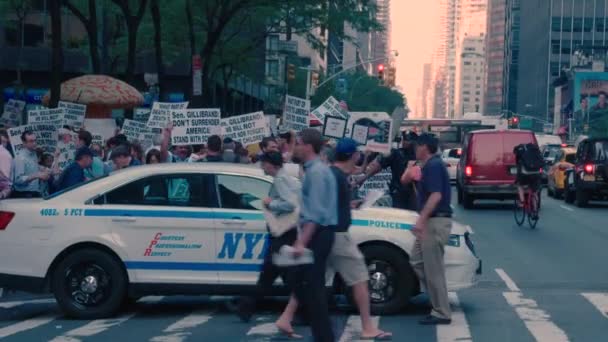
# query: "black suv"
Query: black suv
588,179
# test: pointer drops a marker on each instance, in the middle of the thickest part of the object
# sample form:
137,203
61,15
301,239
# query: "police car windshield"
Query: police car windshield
59,193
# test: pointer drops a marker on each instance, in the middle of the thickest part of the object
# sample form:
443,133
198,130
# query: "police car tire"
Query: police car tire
406,280
110,265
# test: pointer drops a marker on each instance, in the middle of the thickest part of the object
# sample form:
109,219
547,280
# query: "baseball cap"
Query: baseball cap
346,146
83,152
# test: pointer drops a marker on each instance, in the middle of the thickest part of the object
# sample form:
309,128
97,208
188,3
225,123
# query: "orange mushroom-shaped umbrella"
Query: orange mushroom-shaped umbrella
100,93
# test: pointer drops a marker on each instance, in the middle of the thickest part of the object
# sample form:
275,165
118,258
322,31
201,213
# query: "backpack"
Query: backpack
531,159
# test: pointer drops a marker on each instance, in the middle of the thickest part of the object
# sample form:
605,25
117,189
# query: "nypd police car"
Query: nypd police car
185,229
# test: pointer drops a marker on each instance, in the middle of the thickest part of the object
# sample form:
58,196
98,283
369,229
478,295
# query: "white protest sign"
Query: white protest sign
334,127
247,129
161,113
141,114
360,134
105,127
66,146
194,126
45,116
296,114
272,124
379,129
12,112
73,113
46,136
132,129
378,182
331,107
98,139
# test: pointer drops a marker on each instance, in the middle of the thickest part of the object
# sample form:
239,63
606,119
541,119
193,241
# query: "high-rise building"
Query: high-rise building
425,107
381,41
495,57
551,32
470,58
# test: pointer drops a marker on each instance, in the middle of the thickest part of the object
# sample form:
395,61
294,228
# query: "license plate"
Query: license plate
589,178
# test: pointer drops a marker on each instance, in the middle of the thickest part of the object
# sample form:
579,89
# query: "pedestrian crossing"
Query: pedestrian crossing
177,319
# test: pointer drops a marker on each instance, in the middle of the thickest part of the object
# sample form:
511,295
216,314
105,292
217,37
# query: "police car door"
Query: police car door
241,231
165,223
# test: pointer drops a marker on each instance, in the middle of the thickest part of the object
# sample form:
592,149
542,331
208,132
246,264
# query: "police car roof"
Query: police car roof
244,169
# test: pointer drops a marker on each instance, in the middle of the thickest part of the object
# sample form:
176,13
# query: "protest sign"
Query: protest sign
73,113
360,133
66,146
12,112
247,128
105,127
379,129
194,126
296,114
141,114
46,136
380,182
45,116
334,127
132,129
161,113
97,139
272,125
331,107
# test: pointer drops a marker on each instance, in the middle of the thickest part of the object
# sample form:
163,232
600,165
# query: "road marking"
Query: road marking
353,328
176,332
508,281
599,300
566,207
264,329
28,324
459,329
536,320
92,328
10,305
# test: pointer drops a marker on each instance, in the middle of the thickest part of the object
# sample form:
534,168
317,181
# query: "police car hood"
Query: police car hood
386,216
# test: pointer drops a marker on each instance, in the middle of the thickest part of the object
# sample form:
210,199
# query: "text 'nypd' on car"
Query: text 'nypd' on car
184,229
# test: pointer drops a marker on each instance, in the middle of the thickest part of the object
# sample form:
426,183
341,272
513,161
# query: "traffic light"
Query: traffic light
291,72
514,122
314,79
381,73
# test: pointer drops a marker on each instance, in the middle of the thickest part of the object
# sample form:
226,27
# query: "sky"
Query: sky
414,27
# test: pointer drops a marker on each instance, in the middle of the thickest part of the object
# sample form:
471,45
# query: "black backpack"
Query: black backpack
531,158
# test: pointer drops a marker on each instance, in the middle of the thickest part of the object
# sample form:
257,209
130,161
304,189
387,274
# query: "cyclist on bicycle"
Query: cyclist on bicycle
529,164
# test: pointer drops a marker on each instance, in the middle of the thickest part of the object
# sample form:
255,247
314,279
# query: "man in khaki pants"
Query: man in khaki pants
433,226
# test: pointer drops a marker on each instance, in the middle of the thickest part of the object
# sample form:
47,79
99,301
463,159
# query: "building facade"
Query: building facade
496,50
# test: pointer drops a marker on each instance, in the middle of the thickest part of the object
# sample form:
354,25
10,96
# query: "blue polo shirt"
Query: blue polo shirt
72,175
435,178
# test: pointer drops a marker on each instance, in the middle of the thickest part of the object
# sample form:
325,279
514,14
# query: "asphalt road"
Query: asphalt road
549,284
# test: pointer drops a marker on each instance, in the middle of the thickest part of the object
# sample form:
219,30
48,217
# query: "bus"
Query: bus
451,132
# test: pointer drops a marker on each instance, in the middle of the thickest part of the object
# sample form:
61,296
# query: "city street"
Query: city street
548,284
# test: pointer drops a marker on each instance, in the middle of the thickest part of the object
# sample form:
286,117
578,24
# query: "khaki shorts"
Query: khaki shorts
346,258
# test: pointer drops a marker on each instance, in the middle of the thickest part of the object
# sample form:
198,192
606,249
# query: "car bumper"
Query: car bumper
22,283
491,191
601,187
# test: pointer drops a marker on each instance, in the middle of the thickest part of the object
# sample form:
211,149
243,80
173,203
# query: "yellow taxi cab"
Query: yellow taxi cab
564,159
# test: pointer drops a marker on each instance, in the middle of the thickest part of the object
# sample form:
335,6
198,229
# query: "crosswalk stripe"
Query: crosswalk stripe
28,324
459,329
10,305
536,320
92,328
353,328
176,332
599,300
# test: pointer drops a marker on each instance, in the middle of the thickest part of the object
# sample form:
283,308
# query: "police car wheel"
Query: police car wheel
89,284
392,280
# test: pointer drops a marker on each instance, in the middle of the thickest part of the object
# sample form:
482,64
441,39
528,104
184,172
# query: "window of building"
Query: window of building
567,24
466,99
555,46
578,24
238,192
466,92
273,43
33,35
554,69
477,93
556,23
272,68
467,63
588,24
599,25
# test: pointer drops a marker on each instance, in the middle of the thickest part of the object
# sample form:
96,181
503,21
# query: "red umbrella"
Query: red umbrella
99,91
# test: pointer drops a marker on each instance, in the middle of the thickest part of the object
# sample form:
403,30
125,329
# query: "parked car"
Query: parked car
451,158
588,178
556,173
549,153
486,166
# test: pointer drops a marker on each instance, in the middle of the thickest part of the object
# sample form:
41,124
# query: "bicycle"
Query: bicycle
530,208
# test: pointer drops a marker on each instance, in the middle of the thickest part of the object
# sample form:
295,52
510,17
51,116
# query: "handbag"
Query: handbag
278,225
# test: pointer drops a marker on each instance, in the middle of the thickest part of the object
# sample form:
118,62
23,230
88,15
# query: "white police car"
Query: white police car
184,229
